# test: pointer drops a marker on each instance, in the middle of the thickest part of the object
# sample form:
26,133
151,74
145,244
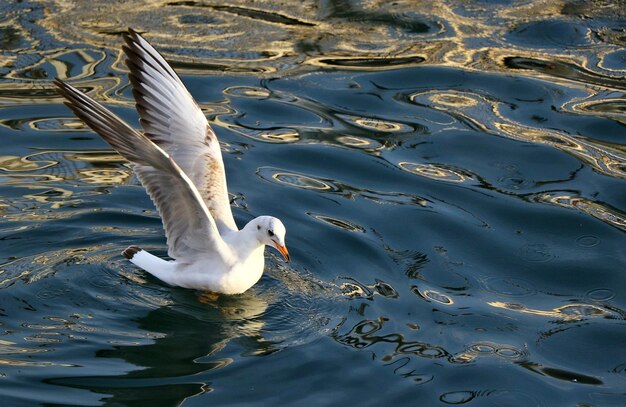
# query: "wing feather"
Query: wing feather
172,119
188,224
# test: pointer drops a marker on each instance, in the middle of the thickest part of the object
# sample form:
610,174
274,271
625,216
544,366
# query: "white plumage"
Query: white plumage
179,162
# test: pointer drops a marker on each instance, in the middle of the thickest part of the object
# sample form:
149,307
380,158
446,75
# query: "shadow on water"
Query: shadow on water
176,363
451,176
129,340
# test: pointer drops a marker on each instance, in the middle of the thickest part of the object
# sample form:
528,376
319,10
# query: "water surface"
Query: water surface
451,178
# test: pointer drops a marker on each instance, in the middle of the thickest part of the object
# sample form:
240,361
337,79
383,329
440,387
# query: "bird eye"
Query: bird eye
269,232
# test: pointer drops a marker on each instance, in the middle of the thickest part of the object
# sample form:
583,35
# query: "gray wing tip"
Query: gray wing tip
131,35
133,47
70,93
133,40
140,52
63,87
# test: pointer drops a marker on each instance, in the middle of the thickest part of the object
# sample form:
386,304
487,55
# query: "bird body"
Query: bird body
178,160
197,273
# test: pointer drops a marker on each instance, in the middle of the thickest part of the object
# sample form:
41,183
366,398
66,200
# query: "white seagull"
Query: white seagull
178,160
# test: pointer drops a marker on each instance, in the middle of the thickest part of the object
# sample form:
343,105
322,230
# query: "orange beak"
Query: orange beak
283,251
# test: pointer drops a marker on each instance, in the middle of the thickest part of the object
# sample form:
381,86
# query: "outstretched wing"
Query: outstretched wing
188,224
172,119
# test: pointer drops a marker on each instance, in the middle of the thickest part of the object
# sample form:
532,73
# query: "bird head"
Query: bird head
271,231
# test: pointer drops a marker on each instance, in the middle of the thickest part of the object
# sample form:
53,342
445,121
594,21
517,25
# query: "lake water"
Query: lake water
451,176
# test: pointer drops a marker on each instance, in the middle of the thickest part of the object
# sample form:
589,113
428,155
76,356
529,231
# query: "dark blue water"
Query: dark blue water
452,179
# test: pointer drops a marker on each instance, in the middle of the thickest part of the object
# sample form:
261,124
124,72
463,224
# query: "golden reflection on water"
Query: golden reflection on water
437,172
30,269
43,177
569,312
301,181
67,164
446,100
598,210
274,136
16,164
266,36
359,142
197,36
59,64
378,125
105,176
30,363
609,107
248,91
433,295
488,116
603,157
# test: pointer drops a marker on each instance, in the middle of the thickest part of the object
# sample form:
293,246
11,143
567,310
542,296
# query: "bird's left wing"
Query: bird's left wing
188,224
172,119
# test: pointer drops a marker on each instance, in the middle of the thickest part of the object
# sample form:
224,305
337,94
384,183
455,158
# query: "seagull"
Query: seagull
178,160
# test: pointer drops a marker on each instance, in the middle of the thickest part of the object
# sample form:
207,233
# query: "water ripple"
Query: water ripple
375,124
497,397
570,312
598,210
439,172
340,223
449,174
311,183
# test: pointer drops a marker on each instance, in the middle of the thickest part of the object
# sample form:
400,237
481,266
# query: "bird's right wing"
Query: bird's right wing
188,224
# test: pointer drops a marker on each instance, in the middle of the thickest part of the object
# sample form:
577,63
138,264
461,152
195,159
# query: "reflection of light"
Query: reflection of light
276,136
247,91
55,124
300,181
432,295
12,93
379,125
55,195
354,290
354,141
371,123
595,209
435,171
605,159
477,110
12,362
95,157
63,165
13,163
612,108
295,180
197,36
490,349
437,297
44,174
340,223
443,100
61,67
104,176
566,312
